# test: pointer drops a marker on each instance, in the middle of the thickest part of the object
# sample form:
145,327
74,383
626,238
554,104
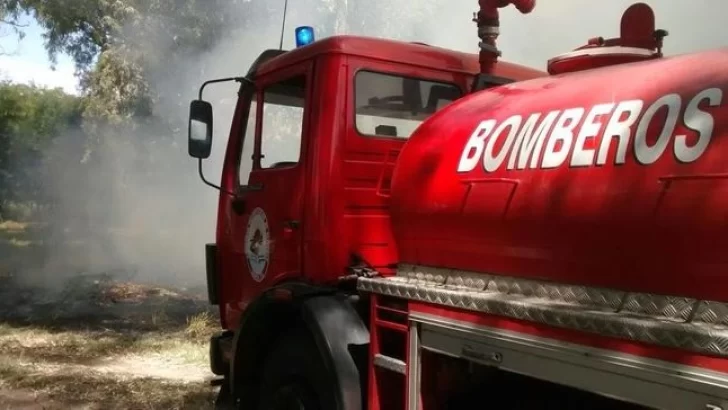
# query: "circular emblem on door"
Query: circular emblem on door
257,244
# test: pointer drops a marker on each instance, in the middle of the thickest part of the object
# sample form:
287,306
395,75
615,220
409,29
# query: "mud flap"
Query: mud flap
338,330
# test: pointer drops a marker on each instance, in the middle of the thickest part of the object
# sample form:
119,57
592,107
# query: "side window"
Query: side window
282,123
389,105
246,158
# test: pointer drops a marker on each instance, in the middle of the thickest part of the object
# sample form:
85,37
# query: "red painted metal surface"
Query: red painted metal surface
638,41
414,55
389,334
626,187
281,199
339,191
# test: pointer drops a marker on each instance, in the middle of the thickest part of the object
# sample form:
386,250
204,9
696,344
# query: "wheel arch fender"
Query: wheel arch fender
340,332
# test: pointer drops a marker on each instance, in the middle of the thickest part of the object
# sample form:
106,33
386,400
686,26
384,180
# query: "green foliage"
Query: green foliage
128,54
81,28
30,115
30,118
116,43
85,28
118,46
116,91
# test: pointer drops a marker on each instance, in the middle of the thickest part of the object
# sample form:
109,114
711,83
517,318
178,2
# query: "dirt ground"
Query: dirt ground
97,343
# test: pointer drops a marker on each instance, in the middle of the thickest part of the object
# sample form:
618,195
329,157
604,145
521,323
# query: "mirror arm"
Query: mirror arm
199,160
222,80
208,183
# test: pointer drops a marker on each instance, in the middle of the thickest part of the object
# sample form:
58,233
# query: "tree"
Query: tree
30,119
120,46
9,26
86,29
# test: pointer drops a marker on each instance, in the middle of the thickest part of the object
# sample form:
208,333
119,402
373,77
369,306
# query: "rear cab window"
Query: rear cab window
393,106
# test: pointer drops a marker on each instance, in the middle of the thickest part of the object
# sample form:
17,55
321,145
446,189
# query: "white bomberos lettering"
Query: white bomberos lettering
563,132
699,121
571,135
492,161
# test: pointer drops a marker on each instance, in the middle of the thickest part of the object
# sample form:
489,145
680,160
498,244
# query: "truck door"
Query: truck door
270,209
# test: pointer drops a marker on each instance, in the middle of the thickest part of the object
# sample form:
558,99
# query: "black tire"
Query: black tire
295,376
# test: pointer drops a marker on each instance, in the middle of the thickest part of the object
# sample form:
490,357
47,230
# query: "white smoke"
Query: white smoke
174,215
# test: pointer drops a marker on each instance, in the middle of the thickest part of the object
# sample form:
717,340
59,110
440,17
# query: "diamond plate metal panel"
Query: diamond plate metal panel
666,307
675,322
469,281
427,276
712,313
557,292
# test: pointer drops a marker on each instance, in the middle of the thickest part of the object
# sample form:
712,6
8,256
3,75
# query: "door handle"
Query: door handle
250,188
289,226
238,202
292,224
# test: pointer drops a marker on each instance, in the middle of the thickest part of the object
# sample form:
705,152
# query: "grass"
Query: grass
22,210
105,391
108,344
96,342
199,326
18,244
88,346
61,367
13,227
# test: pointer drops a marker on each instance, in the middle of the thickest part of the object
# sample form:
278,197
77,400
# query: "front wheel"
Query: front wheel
295,376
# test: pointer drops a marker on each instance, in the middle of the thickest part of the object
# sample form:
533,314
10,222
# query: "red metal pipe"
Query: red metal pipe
524,6
488,27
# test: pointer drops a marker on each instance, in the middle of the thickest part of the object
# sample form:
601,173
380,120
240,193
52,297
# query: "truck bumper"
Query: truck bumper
221,347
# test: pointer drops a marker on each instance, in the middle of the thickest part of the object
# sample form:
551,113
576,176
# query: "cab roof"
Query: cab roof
416,54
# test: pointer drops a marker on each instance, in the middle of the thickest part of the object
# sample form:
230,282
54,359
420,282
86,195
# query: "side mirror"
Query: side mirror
199,141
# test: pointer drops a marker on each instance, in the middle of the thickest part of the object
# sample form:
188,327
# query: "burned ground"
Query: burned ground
95,341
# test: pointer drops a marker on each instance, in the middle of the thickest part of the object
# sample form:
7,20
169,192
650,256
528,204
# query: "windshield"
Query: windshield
394,106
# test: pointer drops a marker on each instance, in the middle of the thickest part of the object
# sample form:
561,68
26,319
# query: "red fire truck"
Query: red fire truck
402,226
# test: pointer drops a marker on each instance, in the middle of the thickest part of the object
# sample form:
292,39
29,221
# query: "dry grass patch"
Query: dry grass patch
90,346
13,226
106,369
67,347
201,326
19,243
98,390
104,343
130,292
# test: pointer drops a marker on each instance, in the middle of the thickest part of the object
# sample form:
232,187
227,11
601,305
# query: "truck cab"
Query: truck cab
312,146
304,195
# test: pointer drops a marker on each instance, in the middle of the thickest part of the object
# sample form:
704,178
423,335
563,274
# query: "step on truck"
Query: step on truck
403,226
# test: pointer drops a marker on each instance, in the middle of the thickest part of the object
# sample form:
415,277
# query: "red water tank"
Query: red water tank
613,177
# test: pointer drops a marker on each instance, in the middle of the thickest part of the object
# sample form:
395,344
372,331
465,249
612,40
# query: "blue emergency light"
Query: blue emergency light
304,36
